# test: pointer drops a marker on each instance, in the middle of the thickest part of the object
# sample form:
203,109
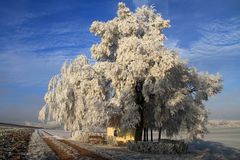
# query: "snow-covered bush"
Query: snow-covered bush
82,136
164,146
112,140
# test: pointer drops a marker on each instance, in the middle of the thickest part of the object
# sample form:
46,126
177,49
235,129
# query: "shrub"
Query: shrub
163,147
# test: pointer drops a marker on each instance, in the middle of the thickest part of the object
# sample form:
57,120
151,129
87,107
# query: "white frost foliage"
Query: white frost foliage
87,96
131,116
129,35
76,99
43,113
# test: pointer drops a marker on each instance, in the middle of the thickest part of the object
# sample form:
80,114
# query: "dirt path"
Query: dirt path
66,150
84,152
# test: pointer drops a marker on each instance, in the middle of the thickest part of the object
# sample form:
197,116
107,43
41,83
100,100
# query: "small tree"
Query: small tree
134,78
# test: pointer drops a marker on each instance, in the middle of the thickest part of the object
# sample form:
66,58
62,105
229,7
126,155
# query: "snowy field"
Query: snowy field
14,142
219,143
59,133
228,136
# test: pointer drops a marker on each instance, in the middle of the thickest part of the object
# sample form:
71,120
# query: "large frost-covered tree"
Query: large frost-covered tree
136,81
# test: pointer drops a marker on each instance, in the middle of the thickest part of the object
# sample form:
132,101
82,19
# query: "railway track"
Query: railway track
66,150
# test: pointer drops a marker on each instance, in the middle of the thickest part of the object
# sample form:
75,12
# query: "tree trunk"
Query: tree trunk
144,134
139,127
138,134
140,101
147,133
151,135
159,134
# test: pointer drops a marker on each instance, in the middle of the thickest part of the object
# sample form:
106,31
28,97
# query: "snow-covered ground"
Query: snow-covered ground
59,133
219,143
38,149
200,150
227,136
122,153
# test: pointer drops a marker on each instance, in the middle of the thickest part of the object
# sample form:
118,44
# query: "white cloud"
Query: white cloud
219,38
31,55
174,44
139,3
32,69
160,6
27,69
171,43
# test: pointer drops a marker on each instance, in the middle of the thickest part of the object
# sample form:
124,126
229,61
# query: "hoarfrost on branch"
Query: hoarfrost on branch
135,78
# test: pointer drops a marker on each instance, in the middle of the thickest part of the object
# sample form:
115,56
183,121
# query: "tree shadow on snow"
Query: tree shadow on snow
209,150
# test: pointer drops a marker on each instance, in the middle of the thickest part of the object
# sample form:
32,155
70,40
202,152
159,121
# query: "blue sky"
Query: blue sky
37,36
